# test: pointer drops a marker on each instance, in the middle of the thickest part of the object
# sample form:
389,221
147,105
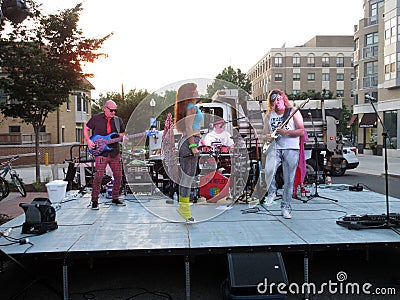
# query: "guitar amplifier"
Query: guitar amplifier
139,173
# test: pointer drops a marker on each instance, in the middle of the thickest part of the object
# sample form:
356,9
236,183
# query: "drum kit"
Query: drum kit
223,172
217,157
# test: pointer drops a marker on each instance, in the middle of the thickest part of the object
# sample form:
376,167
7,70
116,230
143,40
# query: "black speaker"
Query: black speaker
255,276
40,216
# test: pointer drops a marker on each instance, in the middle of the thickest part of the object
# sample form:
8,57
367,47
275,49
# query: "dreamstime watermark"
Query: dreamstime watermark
331,287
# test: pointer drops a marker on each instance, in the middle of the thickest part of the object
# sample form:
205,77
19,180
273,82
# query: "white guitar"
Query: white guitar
274,135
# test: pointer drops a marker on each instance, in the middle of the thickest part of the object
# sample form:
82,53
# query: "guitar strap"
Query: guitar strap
286,114
117,124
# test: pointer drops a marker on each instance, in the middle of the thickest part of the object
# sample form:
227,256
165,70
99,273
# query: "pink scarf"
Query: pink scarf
301,166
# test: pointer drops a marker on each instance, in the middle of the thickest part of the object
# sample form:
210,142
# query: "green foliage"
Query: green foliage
344,119
36,186
125,106
312,94
230,79
42,59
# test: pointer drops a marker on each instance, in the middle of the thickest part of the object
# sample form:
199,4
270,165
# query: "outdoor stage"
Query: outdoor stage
148,226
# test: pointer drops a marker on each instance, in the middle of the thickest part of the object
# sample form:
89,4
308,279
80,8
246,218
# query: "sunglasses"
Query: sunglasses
275,96
112,110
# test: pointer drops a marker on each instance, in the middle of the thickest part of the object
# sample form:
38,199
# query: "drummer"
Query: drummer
219,136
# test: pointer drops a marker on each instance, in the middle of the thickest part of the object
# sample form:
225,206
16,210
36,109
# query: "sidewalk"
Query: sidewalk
375,165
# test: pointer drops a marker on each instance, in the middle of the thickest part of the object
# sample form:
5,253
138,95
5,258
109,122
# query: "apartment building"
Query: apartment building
377,76
324,62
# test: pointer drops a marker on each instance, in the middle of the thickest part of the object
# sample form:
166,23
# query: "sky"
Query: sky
159,42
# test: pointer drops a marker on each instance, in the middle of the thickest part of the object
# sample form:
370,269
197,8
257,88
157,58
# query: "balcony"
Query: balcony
370,81
23,138
371,21
370,52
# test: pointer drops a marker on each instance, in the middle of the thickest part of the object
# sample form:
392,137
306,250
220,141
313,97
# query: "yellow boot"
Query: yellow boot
184,209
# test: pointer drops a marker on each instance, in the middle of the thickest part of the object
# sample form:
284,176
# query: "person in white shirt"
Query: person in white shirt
219,136
287,147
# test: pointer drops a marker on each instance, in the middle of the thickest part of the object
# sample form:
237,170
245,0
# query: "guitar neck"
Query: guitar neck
294,112
131,136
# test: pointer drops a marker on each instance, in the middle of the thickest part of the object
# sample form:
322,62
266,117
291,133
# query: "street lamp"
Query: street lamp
152,119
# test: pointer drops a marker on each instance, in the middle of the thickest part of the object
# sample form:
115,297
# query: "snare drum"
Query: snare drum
222,149
204,149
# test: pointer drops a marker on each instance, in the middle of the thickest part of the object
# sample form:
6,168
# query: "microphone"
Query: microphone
370,98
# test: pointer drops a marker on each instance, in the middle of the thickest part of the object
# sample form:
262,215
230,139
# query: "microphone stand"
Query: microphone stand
385,134
316,195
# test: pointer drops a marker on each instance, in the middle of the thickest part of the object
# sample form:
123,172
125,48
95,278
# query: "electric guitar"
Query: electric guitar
102,141
274,135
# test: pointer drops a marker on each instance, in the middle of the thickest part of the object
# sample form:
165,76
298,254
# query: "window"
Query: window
63,135
390,31
371,68
3,97
296,60
278,61
370,78
311,76
339,77
14,129
278,76
43,128
371,39
311,60
340,93
325,76
296,92
79,135
374,9
78,102
68,104
325,60
390,67
296,76
340,61
390,121
356,49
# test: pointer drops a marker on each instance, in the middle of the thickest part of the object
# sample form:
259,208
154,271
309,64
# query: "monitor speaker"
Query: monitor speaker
255,276
40,216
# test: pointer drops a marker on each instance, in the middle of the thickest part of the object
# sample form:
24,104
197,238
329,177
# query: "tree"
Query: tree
230,79
43,61
125,106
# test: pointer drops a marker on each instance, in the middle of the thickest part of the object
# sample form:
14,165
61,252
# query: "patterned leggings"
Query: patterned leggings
116,168
188,164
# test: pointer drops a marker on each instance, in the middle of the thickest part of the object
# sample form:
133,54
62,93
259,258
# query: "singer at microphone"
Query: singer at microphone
370,98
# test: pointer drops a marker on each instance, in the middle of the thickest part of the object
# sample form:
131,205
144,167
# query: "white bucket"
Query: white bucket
56,190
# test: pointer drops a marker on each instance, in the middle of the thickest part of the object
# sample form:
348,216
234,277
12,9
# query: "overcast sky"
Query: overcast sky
158,42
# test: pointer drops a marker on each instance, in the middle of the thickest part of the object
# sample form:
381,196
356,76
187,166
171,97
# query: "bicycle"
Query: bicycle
4,185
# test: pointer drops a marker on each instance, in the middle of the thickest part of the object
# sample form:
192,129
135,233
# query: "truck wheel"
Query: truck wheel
311,165
337,171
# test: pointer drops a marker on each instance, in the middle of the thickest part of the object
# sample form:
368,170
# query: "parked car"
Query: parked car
350,155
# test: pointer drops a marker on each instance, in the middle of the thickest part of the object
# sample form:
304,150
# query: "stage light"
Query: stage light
14,10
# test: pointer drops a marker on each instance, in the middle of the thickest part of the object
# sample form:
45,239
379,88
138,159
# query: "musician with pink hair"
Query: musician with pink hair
286,147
